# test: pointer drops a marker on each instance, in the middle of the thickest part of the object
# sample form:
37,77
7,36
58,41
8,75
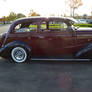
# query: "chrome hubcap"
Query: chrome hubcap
19,54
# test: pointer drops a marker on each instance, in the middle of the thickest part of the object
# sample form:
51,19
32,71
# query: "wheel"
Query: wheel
19,54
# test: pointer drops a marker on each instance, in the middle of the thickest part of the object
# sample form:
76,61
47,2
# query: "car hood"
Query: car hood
84,29
84,32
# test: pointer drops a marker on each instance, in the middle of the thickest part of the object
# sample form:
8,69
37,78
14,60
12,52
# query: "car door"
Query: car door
54,39
62,39
40,40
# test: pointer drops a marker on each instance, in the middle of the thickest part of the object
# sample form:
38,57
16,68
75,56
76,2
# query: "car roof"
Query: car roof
39,18
31,18
34,19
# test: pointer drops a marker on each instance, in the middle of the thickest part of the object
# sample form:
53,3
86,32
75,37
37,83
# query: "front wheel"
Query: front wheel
19,54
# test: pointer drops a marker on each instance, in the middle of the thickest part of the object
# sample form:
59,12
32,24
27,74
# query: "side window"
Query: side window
57,26
27,27
43,26
33,27
18,28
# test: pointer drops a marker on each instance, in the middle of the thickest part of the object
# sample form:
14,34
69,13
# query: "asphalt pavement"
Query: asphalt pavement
45,76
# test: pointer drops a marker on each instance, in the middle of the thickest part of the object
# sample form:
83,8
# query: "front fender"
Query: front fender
85,53
4,51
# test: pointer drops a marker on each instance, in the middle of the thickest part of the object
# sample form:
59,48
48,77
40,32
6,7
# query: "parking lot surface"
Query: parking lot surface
45,76
4,28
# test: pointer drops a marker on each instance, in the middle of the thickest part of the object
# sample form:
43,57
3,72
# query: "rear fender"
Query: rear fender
7,48
85,53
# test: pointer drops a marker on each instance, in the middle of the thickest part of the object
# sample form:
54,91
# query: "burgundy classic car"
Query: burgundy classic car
41,38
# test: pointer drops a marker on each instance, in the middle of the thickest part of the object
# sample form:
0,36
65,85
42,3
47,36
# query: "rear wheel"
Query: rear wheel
19,54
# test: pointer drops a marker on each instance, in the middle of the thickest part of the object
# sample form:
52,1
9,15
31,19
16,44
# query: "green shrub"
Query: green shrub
83,25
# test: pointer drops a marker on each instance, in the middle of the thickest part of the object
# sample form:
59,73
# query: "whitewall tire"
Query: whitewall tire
19,54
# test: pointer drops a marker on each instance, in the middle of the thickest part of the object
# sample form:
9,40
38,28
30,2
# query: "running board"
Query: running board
37,59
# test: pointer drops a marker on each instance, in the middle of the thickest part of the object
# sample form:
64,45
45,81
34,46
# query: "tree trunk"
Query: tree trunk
73,12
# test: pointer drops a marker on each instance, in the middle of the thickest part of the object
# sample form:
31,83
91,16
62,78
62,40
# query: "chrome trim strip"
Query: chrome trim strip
59,59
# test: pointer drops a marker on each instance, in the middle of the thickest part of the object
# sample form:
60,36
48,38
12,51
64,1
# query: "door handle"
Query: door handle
50,39
41,37
89,39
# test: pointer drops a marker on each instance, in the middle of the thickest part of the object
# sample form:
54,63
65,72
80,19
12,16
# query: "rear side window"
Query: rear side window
19,29
30,27
43,26
57,26
17,26
33,27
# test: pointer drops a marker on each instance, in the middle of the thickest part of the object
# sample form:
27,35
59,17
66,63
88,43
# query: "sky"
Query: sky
43,7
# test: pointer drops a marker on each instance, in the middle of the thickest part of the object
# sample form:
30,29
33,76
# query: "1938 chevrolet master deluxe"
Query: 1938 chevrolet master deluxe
42,38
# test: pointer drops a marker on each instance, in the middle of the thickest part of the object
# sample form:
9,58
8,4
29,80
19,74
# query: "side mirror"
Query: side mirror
76,28
70,28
